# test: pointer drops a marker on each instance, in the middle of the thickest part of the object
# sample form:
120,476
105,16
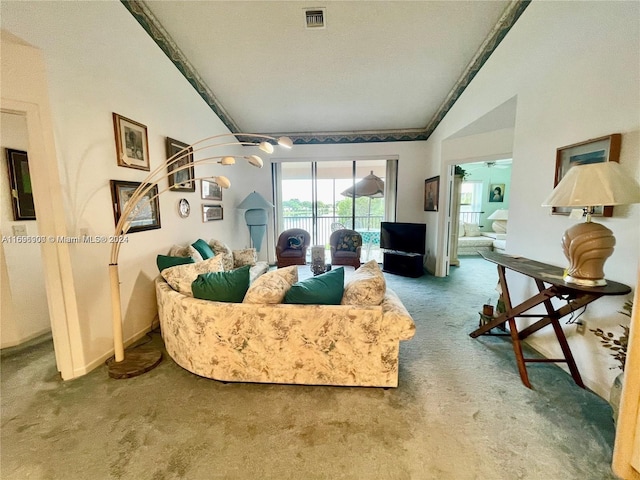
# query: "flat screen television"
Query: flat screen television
403,237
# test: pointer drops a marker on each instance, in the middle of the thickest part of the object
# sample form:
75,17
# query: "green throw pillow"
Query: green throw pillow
203,249
324,289
165,261
222,286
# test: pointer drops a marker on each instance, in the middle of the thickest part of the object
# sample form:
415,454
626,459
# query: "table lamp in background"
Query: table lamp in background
588,245
499,218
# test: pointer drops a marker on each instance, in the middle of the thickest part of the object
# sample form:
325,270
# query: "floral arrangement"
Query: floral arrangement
617,345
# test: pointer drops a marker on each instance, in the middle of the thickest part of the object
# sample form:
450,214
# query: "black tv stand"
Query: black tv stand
403,263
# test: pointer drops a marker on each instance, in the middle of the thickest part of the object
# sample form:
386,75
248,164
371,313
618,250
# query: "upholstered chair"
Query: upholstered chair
291,248
346,246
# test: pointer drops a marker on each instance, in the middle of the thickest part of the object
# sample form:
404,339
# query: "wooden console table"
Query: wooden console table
550,284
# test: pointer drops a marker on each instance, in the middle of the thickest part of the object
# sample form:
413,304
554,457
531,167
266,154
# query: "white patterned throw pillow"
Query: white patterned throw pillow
472,229
181,277
248,256
188,251
272,286
221,248
366,286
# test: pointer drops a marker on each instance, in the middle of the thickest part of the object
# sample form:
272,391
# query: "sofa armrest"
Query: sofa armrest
396,318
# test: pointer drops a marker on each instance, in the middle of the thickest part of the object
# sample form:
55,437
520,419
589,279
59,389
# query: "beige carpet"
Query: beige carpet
459,413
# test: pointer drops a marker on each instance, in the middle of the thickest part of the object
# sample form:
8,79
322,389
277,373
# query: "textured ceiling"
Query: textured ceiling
379,71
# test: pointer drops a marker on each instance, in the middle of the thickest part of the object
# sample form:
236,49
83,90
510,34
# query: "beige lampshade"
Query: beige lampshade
500,214
255,160
222,181
593,185
285,142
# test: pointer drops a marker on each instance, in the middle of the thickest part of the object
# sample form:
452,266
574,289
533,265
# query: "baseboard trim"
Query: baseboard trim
80,371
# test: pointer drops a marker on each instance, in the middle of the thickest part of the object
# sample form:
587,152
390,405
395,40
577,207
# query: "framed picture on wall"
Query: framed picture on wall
20,185
183,178
496,192
147,214
431,194
211,212
132,144
596,150
211,191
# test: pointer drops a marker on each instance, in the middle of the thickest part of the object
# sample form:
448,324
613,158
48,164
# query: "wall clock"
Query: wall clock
184,208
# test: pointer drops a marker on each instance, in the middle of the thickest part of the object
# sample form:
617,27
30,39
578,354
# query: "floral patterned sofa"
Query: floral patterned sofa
263,340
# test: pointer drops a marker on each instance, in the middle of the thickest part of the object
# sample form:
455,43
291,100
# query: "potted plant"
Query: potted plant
618,346
460,172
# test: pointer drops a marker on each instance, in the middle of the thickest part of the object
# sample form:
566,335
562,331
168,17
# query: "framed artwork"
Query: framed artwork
596,150
431,194
211,212
132,144
183,179
496,192
146,216
211,191
20,185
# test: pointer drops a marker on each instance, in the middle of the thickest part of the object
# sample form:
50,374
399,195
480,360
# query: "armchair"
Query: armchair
291,248
346,246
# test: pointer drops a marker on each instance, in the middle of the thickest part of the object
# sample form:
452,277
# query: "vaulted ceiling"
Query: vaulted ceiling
376,70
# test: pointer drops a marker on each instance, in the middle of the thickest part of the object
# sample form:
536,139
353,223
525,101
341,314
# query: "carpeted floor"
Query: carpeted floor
459,413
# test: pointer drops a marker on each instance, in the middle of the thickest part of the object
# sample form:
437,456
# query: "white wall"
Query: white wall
24,296
575,68
99,61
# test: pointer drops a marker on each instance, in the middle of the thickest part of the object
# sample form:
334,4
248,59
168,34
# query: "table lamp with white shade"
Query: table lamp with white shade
588,245
499,218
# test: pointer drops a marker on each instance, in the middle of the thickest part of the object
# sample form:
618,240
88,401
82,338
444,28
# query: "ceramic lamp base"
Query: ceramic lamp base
587,246
499,226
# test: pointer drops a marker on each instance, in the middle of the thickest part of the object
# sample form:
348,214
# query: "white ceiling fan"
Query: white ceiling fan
499,163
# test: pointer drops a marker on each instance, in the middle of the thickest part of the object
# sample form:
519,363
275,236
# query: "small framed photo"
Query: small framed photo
496,192
596,150
147,214
211,191
132,144
183,178
20,185
431,194
211,212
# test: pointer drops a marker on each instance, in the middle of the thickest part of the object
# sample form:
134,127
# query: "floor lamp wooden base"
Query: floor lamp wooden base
136,362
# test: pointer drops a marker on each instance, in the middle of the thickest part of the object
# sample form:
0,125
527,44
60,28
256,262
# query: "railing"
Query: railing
470,217
323,224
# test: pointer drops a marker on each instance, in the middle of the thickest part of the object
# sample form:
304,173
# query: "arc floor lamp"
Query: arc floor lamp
137,361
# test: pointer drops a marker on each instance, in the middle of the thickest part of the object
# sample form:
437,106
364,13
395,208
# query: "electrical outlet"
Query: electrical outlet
581,327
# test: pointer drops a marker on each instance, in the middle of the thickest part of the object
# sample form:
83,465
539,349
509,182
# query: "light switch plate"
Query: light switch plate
19,230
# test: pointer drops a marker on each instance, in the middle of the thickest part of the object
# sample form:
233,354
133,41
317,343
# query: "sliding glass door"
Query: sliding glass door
323,196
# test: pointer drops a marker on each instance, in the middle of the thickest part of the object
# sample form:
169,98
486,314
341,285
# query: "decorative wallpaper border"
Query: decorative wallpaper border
156,31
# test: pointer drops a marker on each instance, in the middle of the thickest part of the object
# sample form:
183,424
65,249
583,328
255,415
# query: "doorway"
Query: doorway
24,299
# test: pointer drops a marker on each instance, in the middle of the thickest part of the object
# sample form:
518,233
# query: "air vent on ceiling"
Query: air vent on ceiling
315,18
